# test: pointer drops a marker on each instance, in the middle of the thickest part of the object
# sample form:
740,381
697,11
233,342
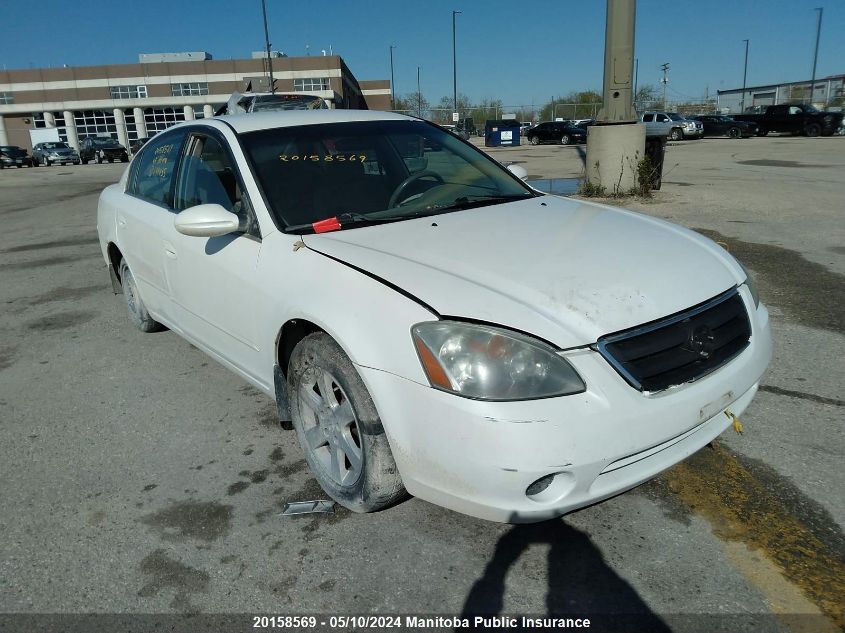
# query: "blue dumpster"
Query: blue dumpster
501,132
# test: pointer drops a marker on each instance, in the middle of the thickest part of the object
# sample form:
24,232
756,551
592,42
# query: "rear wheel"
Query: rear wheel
339,428
813,129
135,306
762,132
534,140
734,132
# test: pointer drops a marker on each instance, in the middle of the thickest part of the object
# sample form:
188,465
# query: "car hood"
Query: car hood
563,270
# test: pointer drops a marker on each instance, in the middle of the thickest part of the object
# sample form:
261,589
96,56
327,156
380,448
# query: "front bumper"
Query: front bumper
480,457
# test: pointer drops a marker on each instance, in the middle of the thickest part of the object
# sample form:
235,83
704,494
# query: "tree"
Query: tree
414,104
648,97
442,112
575,105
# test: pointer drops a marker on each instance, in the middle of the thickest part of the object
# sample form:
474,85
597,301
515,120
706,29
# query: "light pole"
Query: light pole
744,74
419,94
454,64
664,81
267,42
816,54
636,76
392,90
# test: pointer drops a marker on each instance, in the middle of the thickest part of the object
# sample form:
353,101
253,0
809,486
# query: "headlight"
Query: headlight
489,363
749,281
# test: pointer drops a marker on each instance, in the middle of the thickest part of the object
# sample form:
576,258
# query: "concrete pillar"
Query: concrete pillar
120,124
49,119
613,152
207,111
140,124
4,139
70,129
189,113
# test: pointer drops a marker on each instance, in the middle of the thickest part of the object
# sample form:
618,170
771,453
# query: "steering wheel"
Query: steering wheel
394,197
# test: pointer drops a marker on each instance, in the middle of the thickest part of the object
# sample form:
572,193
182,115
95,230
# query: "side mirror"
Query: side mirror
206,220
518,171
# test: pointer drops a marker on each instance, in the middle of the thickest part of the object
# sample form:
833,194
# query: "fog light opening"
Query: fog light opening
539,486
551,488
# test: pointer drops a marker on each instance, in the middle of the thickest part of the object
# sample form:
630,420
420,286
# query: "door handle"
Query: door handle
169,250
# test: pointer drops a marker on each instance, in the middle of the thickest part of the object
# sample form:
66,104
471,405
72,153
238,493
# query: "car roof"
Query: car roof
268,120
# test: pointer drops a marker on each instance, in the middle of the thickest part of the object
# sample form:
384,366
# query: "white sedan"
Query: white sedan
427,322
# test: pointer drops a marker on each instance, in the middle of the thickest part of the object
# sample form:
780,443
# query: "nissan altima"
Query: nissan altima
426,322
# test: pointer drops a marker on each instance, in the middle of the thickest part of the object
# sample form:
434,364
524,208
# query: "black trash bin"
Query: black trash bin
655,149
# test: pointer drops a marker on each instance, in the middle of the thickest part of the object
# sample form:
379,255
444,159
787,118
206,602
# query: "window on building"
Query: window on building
159,119
95,123
191,89
6,98
128,92
312,83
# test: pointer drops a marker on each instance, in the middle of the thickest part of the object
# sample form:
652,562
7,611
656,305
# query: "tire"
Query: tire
676,134
534,140
85,161
44,161
135,306
344,424
565,139
99,158
734,132
813,129
762,132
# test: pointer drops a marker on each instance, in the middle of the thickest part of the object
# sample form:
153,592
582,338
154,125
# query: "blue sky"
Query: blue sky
520,52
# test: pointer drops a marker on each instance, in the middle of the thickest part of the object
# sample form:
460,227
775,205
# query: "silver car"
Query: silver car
54,152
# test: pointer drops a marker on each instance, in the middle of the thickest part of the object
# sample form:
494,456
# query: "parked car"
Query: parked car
561,132
138,144
690,128
585,123
102,149
721,125
14,156
661,124
795,118
303,252
54,152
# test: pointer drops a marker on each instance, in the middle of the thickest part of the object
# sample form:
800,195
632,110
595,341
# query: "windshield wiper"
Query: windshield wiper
475,201
335,223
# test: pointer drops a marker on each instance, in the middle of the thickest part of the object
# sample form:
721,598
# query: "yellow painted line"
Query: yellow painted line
741,509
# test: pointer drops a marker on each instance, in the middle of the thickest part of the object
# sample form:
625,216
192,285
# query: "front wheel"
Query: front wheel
762,132
534,140
814,129
565,140
734,132
338,427
137,310
676,135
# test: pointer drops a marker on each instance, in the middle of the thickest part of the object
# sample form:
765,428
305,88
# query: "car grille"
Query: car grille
680,348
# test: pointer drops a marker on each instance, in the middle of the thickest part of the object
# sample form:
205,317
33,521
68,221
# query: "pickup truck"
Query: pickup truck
797,119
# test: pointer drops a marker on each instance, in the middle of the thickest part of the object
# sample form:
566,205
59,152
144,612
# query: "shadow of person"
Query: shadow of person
580,584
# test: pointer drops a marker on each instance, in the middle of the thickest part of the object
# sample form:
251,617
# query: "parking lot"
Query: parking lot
141,477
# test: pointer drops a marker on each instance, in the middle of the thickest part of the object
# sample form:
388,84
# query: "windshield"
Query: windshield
11,149
55,146
676,117
373,171
288,102
104,141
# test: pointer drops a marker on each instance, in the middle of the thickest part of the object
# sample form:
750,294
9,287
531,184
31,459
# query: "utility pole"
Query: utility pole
419,94
267,42
636,76
664,81
744,74
392,90
816,54
454,66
